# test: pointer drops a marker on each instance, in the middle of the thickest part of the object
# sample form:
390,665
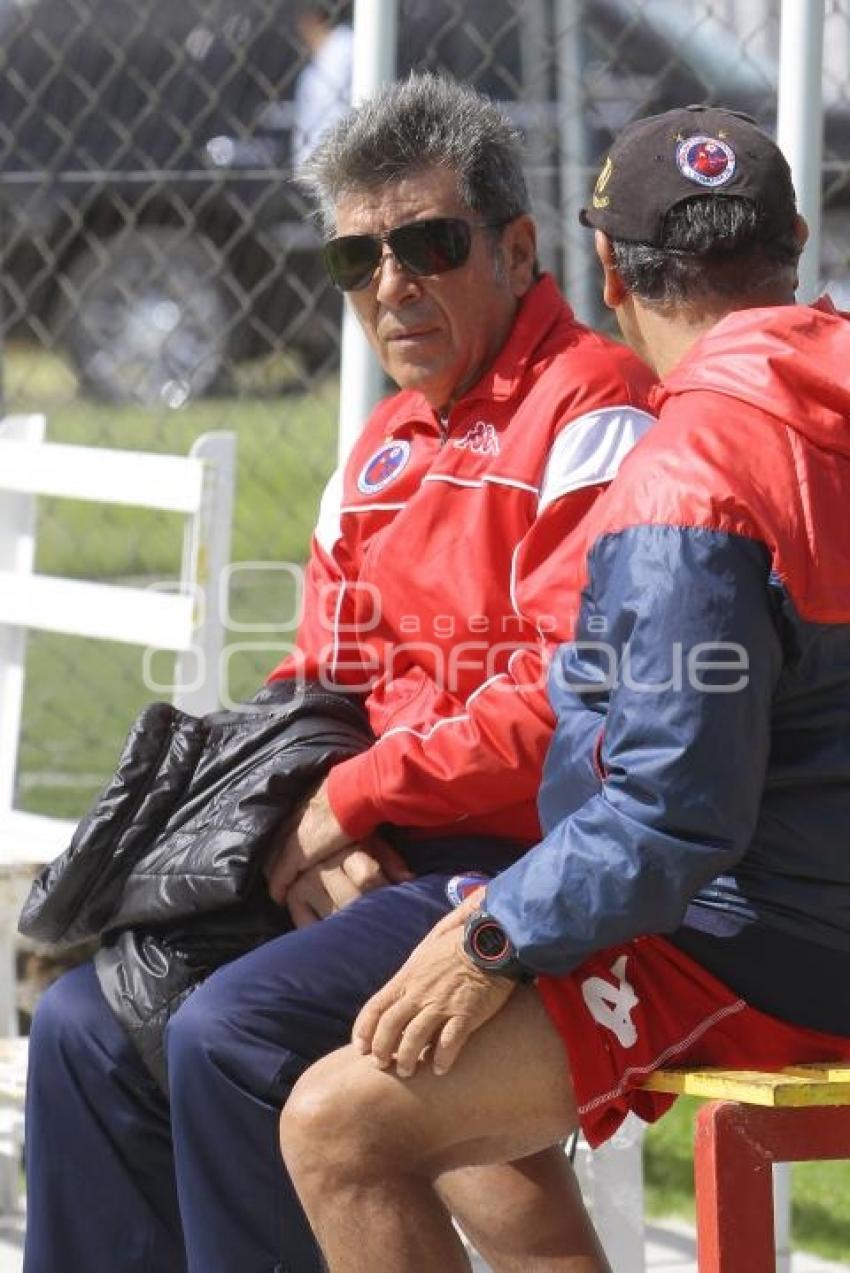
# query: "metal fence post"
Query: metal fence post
800,121
361,378
799,130
579,268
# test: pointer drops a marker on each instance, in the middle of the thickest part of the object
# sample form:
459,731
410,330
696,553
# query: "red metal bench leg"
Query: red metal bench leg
736,1146
734,1191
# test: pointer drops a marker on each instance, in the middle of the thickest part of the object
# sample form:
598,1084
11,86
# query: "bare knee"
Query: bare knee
344,1121
308,1135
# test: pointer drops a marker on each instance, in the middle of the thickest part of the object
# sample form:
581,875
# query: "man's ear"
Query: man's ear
801,234
801,231
614,291
519,245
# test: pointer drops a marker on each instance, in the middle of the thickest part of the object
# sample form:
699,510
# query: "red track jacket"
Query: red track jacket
434,585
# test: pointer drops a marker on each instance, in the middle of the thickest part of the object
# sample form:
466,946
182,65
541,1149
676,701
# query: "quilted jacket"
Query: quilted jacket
166,866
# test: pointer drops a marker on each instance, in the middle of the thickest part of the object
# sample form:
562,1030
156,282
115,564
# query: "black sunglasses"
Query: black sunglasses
431,246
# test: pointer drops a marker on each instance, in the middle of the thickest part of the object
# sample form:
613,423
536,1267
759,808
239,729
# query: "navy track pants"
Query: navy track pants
121,1180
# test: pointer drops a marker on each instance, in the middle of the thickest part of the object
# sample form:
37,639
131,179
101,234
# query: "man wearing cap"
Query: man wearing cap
690,899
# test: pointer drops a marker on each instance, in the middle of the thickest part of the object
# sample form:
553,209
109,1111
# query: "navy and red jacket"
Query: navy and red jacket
702,746
434,587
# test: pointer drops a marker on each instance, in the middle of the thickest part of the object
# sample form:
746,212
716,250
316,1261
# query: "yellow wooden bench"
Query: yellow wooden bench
755,1118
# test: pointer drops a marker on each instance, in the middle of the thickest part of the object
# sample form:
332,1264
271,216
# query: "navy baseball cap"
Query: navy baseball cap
659,161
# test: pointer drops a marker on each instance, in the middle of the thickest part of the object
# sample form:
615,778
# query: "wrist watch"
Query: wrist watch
490,948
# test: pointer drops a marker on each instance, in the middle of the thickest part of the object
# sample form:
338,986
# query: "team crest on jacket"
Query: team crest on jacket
459,887
382,467
706,160
481,439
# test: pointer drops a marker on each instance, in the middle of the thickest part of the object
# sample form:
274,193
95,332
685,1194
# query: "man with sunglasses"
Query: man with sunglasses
431,592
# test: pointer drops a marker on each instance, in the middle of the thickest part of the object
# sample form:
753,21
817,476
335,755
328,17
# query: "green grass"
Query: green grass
820,1216
668,1162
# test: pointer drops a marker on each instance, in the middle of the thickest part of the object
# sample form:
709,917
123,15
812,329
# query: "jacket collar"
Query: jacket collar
787,361
537,314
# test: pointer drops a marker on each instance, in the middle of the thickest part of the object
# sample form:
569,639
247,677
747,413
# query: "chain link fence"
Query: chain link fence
160,276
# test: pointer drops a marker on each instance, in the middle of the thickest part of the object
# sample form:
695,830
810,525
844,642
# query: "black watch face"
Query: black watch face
490,941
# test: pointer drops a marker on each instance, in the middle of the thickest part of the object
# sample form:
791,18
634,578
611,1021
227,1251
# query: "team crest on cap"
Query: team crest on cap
380,469
706,160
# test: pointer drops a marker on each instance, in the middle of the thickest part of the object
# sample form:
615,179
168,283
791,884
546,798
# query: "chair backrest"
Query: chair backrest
184,618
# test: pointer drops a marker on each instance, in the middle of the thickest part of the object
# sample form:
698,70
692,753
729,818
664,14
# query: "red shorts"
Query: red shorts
644,1005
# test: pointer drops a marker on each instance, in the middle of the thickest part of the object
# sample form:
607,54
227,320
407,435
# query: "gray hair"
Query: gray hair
713,248
423,122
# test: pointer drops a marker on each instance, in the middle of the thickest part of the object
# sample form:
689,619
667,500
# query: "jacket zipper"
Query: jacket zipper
443,421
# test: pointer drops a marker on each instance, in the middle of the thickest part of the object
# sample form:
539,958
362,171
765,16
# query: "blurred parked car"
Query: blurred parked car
150,226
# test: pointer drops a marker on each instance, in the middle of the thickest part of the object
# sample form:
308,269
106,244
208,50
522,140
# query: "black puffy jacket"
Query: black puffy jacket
166,866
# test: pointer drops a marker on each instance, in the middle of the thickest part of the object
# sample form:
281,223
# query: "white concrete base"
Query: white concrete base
671,1248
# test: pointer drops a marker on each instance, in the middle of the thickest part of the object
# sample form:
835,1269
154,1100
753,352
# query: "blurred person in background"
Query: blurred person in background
690,900
430,594
323,88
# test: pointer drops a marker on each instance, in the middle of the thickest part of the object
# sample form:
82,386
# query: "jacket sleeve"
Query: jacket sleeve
672,675
487,752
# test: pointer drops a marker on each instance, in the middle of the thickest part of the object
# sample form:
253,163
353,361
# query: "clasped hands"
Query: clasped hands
317,869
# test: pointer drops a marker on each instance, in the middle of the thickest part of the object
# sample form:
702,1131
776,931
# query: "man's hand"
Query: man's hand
316,835
437,1000
342,878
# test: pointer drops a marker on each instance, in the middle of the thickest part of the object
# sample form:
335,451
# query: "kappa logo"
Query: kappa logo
612,1006
481,439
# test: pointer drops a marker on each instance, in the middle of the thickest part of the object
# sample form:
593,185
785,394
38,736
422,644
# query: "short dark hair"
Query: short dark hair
711,246
423,122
